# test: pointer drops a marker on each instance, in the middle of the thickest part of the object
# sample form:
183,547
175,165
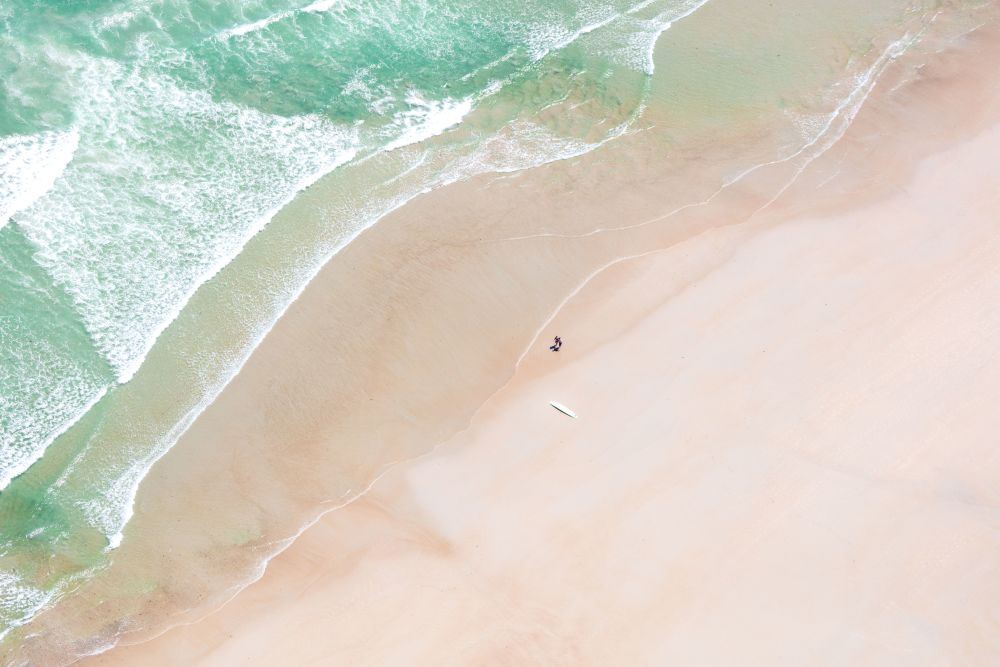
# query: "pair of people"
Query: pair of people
557,343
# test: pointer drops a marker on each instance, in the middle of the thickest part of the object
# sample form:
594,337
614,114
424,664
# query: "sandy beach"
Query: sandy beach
785,445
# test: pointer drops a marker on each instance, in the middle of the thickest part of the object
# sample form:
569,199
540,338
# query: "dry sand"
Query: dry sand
786,452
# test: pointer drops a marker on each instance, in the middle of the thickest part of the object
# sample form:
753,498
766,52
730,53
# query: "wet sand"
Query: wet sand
784,452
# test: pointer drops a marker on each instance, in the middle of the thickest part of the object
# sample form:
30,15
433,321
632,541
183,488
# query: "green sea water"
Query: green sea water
146,149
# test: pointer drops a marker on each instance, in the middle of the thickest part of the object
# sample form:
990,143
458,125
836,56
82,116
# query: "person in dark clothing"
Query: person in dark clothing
556,344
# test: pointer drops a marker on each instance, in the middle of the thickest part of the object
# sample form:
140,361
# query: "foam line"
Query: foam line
425,119
37,452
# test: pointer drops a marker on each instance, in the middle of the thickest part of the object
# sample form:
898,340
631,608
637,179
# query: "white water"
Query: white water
425,119
30,165
131,238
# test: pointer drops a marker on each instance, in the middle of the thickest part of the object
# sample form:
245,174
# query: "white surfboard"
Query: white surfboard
563,409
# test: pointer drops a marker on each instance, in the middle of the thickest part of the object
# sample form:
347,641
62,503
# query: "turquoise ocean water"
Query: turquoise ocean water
144,143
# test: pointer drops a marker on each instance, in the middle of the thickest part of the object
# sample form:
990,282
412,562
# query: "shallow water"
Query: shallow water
161,138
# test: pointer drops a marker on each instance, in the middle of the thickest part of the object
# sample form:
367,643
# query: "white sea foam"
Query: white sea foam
631,43
131,241
254,26
47,377
425,119
122,16
554,37
360,84
635,46
69,401
246,28
321,6
30,165
663,23
639,7
118,19
522,145
19,602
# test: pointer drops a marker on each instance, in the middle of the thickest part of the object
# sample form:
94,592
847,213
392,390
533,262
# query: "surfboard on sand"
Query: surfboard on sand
563,409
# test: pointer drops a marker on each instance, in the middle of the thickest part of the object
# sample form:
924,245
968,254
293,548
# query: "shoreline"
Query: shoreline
125,649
